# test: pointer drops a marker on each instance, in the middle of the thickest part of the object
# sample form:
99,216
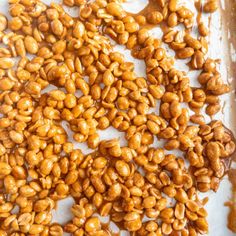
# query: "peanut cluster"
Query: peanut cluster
97,88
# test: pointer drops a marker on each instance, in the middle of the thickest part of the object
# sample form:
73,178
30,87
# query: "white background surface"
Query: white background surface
217,211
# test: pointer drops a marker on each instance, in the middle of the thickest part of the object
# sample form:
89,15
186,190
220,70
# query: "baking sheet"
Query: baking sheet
217,49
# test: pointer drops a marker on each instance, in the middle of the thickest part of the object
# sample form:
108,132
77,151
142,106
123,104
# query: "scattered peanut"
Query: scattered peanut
97,88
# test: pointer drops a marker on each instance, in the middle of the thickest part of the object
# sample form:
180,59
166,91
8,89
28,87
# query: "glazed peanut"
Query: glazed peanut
95,88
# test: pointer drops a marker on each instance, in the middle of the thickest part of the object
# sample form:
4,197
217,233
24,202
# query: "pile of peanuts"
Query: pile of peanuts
146,190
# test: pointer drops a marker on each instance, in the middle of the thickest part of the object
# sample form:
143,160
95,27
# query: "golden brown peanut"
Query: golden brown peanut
93,141
3,22
149,202
16,136
132,221
71,177
36,229
141,20
33,88
59,47
6,84
95,87
210,6
153,127
202,224
213,153
181,196
62,189
57,27
5,169
209,65
31,45
56,230
151,226
19,172
27,191
192,42
57,95
213,109
193,206
175,109
179,211
197,60
173,5
3,233
185,53
6,63
156,91
185,13
92,225
170,97
135,141
108,78
78,30
167,213
115,9
154,17
123,103
123,168
4,122
15,23
131,27
70,101
202,29
46,166
172,19
69,3
6,207
78,211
